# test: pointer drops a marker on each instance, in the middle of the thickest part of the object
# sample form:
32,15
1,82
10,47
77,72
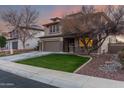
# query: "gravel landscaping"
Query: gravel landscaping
105,66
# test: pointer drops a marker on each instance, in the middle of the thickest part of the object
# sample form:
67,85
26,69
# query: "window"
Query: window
50,29
54,28
14,34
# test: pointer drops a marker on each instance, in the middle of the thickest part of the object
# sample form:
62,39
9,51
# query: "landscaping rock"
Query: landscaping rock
110,66
97,67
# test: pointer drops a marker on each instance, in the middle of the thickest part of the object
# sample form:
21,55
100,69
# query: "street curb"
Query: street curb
83,64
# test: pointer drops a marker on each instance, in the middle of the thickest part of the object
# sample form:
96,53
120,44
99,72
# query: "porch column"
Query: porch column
61,44
11,49
41,45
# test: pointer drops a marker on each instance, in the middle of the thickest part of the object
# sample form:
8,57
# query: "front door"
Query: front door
68,45
15,45
71,45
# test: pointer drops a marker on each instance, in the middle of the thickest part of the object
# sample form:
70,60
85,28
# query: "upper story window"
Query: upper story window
50,29
13,34
54,28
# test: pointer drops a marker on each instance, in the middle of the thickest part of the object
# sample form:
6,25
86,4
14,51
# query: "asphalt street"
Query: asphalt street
8,80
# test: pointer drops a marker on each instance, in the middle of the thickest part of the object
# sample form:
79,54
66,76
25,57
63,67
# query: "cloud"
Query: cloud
63,10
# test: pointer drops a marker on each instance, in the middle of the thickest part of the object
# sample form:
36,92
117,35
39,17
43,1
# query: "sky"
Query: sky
45,12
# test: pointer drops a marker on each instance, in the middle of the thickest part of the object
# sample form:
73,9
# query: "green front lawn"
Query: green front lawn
62,62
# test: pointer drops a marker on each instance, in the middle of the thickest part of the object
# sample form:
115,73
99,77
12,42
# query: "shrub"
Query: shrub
121,56
2,41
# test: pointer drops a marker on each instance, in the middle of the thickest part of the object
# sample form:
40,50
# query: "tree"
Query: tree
88,9
20,21
2,41
116,14
88,25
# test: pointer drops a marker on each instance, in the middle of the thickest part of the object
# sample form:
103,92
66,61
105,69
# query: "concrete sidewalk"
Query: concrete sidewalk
58,78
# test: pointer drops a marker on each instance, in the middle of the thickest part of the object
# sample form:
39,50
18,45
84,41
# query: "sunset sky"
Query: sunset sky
45,11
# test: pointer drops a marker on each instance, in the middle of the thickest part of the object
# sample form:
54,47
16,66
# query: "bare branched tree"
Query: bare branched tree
88,24
87,9
116,14
20,21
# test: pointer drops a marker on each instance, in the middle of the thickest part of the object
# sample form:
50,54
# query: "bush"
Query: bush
2,41
121,56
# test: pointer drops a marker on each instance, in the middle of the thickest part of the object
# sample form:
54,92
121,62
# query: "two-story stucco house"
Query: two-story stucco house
13,42
55,40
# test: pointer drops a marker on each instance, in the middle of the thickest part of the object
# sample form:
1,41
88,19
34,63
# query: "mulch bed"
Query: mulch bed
92,69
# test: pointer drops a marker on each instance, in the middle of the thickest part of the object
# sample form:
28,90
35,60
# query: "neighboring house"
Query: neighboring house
55,40
13,42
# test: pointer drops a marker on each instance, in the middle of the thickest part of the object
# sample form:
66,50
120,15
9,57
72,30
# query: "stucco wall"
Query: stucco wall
30,43
104,47
115,47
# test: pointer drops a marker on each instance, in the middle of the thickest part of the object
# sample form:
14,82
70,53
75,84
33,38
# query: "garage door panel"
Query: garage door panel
52,46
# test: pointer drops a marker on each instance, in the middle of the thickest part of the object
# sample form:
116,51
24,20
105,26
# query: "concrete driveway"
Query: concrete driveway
18,57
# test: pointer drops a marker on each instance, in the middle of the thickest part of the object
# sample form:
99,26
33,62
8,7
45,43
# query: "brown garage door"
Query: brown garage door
52,46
